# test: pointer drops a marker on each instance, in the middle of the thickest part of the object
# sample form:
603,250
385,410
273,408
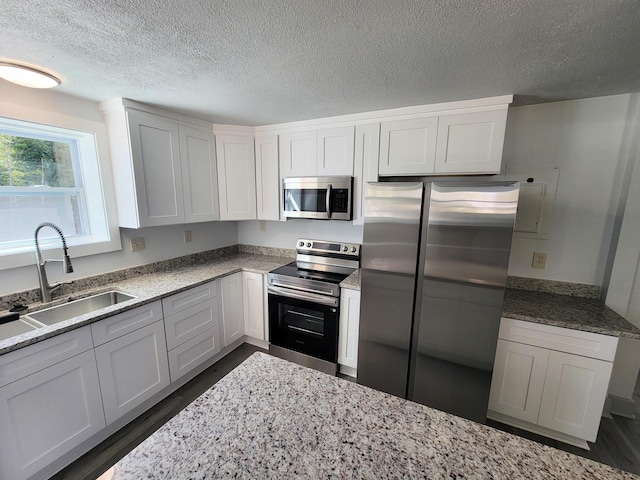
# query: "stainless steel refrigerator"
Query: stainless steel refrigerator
434,268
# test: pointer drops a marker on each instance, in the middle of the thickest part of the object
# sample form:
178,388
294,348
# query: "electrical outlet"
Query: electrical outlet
187,236
539,260
137,244
263,225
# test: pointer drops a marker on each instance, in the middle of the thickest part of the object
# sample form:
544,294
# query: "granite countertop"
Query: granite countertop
148,288
586,314
269,418
567,311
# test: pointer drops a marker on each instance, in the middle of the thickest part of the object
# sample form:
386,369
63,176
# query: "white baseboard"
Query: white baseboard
623,407
545,432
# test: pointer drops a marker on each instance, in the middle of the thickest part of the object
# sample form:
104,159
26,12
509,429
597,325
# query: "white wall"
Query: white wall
285,234
161,243
586,138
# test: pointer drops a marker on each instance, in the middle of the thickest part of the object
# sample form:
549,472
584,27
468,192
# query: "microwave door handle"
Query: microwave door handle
328,200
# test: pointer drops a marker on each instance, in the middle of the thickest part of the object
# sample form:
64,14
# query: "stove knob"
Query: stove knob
353,249
301,244
308,244
345,248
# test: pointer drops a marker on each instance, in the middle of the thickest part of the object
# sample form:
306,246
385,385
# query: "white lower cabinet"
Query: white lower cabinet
254,300
48,413
555,384
132,369
574,394
192,328
194,352
348,330
232,308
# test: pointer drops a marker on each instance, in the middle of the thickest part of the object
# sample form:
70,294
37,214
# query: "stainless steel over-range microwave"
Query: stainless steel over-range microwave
321,198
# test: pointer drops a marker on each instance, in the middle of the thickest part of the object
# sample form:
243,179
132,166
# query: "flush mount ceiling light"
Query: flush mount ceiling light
27,76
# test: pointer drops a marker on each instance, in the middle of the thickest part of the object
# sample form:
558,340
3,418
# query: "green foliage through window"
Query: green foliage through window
30,161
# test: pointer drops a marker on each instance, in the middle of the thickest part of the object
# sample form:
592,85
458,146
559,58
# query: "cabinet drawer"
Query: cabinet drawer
28,360
122,323
194,352
586,344
189,323
183,300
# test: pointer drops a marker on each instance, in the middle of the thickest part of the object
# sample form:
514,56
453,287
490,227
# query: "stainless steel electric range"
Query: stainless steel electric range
304,303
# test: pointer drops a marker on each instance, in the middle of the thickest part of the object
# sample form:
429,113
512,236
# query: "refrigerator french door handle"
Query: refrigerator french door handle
328,201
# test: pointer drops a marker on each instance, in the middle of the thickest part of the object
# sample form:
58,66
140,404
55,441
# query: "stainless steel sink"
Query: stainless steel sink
72,309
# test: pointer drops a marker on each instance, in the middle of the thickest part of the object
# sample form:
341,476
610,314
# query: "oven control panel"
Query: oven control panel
322,246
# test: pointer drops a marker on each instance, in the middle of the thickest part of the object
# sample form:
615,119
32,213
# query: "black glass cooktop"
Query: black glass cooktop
292,270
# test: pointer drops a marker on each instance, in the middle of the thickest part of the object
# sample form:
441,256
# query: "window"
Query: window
49,174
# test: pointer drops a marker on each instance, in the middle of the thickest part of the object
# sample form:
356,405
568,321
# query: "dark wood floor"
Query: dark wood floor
618,441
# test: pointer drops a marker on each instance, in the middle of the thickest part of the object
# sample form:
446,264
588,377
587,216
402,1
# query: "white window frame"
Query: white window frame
104,234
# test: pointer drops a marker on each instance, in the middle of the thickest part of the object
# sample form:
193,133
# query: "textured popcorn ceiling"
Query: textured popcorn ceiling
270,61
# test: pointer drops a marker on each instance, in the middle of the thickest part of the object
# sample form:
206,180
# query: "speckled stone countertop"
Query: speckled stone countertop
567,311
585,314
148,288
352,282
269,418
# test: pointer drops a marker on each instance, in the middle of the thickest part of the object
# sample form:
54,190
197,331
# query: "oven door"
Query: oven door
304,325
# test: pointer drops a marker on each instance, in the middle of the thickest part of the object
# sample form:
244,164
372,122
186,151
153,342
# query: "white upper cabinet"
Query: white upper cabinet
267,178
236,177
408,147
470,142
155,154
298,154
199,174
163,165
367,148
328,151
335,151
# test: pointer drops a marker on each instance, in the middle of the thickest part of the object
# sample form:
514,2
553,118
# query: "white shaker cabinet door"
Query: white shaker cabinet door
470,142
267,178
199,174
253,295
349,328
232,307
574,394
132,369
47,414
236,177
298,154
156,167
335,150
408,147
518,380
367,150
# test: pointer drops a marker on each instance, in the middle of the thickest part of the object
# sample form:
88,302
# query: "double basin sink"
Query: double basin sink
60,313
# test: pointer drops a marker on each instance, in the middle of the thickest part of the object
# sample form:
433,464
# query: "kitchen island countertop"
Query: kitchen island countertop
269,418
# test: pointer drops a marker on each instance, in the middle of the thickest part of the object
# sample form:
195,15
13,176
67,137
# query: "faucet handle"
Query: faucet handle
66,264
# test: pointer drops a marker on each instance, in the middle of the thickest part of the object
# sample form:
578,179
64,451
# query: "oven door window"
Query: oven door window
306,200
304,326
302,320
